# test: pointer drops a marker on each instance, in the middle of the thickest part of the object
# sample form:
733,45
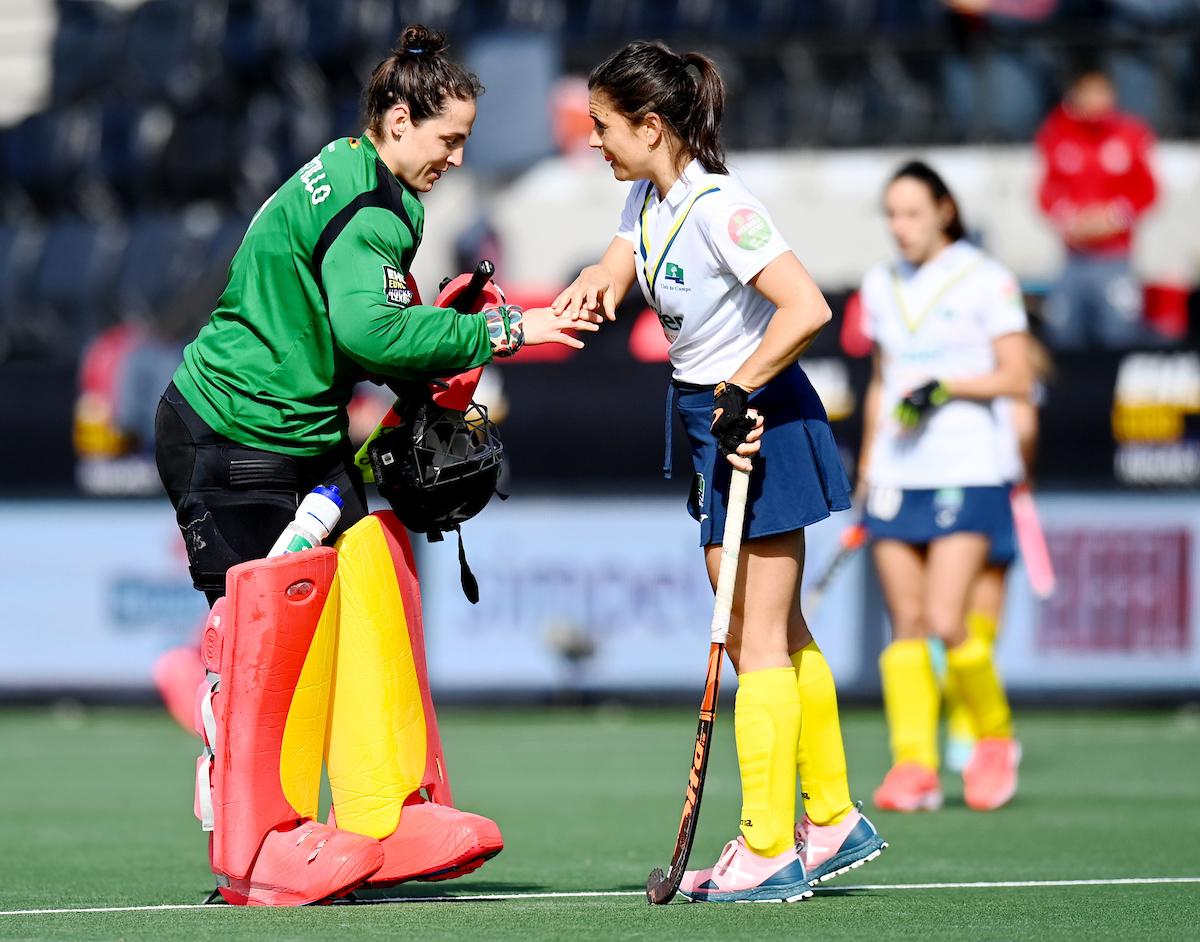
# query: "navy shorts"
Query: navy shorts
919,517
798,476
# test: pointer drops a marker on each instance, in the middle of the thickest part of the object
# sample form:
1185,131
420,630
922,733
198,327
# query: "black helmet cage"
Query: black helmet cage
448,445
439,468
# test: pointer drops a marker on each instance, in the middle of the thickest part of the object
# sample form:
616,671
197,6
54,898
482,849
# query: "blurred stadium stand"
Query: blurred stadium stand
137,138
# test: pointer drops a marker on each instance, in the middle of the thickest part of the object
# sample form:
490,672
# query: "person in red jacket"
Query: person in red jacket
1097,182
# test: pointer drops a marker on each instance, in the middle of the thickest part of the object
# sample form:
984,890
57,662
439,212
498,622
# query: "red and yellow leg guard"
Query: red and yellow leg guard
384,754
268,647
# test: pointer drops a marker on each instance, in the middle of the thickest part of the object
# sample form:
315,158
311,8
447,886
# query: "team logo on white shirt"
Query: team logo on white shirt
673,273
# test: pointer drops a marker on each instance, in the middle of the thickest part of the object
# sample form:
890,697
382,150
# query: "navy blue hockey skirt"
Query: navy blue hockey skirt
920,516
798,476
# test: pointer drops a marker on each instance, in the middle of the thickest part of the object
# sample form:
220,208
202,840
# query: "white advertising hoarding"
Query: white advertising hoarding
624,578
603,594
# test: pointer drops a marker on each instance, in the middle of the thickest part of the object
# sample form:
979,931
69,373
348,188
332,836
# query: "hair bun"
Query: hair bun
419,41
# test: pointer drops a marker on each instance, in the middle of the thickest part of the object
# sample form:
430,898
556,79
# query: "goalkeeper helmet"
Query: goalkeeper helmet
439,467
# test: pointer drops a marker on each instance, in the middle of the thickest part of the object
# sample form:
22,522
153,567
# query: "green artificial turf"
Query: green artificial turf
96,812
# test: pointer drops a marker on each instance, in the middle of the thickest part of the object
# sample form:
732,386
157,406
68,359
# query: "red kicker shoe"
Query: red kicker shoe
309,863
436,842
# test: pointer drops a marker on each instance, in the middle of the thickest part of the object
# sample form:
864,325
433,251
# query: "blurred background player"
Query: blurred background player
985,605
738,309
949,329
256,416
1097,182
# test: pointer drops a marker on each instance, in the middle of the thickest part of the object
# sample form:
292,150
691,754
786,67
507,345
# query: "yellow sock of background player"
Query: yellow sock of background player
959,723
971,674
766,722
820,755
911,701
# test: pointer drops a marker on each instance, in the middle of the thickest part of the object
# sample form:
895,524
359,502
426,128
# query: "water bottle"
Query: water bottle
315,519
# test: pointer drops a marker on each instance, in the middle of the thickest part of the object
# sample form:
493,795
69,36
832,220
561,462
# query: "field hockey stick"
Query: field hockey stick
850,542
661,888
1032,542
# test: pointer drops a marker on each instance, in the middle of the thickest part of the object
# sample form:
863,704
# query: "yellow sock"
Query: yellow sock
820,756
766,722
982,625
973,678
959,722
910,701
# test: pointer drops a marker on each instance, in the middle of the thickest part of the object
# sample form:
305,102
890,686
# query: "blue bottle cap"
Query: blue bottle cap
331,492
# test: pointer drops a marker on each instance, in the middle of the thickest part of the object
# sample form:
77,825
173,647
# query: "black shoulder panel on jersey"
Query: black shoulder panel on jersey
387,194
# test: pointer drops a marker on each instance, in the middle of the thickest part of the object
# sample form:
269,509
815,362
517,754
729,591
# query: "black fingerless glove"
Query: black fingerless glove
731,427
918,403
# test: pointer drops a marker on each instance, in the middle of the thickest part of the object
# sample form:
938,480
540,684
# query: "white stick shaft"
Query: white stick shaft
731,546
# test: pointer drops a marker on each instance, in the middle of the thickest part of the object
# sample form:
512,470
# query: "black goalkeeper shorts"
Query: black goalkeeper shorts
231,501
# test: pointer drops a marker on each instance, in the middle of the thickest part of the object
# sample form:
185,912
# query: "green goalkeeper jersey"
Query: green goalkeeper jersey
317,298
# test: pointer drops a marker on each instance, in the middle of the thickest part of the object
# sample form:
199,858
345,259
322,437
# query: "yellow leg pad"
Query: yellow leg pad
820,756
766,726
959,722
377,736
304,730
910,701
976,684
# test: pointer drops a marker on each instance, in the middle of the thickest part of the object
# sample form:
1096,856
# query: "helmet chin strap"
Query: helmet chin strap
470,585
437,468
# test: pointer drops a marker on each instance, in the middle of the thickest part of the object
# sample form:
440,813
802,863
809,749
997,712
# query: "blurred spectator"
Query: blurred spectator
1097,182
995,87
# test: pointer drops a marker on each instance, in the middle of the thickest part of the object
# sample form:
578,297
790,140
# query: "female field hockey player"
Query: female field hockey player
950,341
739,309
255,416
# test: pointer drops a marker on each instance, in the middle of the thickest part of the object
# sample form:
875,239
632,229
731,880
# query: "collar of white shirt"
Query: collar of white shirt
681,187
951,257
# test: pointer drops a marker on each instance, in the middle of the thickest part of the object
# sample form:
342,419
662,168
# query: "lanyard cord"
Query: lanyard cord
909,322
651,271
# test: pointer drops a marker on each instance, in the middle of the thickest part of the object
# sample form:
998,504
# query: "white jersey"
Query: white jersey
938,321
1012,467
695,252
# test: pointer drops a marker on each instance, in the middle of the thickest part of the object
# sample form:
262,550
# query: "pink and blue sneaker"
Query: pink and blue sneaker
830,851
742,876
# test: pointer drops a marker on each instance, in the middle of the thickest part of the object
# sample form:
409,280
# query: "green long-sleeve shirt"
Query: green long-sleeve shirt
317,296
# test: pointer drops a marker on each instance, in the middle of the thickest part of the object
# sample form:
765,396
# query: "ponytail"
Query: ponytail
647,77
418,74
703,132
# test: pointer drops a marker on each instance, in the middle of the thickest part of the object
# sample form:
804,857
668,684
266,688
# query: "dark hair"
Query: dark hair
923,173
647,77
417,73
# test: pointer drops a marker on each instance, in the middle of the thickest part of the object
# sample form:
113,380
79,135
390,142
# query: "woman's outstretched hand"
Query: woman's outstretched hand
590,296
546,325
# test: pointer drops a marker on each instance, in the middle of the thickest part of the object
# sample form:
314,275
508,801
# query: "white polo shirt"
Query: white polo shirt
695,252
938,321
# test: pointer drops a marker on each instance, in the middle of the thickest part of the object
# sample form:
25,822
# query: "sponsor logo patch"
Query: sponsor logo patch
674,273
396,289
749,229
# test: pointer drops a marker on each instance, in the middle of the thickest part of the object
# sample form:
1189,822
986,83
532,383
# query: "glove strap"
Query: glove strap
505,329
